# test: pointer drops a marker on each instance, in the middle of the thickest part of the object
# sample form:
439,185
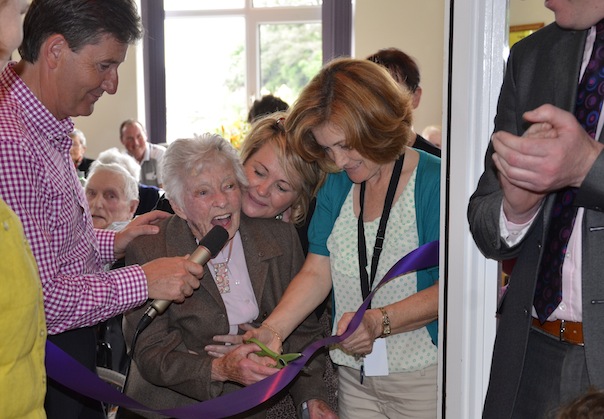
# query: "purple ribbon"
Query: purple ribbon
65,370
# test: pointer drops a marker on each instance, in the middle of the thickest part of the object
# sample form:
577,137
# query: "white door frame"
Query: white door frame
475,39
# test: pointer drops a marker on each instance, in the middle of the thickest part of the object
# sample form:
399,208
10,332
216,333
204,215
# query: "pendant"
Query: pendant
222,277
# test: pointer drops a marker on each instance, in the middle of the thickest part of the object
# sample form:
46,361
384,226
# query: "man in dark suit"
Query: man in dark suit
539,148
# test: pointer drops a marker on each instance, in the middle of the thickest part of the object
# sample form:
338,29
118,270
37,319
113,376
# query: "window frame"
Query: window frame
254,17
334,15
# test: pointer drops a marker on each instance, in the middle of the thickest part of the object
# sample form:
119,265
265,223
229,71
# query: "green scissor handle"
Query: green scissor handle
281,360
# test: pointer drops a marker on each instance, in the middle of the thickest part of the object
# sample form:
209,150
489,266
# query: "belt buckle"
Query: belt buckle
562,330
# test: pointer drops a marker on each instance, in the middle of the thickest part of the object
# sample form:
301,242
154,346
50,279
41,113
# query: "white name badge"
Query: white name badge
376,363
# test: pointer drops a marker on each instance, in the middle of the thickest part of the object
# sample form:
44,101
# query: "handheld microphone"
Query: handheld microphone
208,248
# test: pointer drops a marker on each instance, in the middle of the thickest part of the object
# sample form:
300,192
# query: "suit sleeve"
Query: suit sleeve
485,204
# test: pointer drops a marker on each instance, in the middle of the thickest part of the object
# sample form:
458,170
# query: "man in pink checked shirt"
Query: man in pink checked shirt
71,52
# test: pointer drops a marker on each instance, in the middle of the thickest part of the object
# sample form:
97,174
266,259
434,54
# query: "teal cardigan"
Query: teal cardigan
332,195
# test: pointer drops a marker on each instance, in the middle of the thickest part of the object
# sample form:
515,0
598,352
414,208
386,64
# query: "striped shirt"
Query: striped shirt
39,182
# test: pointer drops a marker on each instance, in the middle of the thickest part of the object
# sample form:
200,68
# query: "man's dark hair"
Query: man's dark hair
267,105
81,22
131,121
400,65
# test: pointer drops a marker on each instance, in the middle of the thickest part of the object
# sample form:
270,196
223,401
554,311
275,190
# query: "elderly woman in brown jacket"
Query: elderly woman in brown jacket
204,181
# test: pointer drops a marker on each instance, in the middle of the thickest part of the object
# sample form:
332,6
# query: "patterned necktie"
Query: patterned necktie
590,92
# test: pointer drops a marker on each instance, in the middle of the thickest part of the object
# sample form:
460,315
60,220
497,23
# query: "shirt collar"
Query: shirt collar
40,116
147,155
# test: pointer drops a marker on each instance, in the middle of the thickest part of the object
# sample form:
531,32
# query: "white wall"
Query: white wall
524,12
415,27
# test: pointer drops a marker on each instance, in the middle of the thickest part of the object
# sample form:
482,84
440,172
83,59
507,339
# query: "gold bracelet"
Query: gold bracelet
386,329
269,327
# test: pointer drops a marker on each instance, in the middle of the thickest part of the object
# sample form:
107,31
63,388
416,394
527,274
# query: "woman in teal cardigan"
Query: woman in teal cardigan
380,202
333,193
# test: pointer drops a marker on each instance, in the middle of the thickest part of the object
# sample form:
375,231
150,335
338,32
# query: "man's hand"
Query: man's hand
555,152
172,278
520,205
552,158
142,225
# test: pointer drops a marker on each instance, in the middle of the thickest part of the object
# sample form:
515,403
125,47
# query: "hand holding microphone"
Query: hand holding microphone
208,248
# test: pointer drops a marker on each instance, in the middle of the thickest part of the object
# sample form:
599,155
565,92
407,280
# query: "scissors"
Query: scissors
281,360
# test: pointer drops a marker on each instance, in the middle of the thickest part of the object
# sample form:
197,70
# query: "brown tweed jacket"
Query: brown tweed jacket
170,366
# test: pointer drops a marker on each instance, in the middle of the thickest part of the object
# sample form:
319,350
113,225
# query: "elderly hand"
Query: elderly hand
361,340
318,409
558,153
229,342
142,225
172,278
238,366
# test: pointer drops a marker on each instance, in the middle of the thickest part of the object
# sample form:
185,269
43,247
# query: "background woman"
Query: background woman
281,183
204,181
353,117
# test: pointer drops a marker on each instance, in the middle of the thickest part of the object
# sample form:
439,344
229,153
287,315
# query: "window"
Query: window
221,55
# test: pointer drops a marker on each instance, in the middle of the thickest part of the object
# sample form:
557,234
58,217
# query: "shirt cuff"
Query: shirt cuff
132,289
512,233
106,239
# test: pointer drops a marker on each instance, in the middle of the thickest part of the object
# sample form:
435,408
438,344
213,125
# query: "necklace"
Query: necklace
221,272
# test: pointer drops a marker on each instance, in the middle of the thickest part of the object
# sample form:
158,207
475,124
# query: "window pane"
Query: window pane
205,80
290,55
286,3
179,5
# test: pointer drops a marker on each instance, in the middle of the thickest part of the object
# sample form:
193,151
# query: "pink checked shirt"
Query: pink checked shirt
38,181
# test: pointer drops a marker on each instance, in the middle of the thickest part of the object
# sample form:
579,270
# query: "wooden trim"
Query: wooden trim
527,27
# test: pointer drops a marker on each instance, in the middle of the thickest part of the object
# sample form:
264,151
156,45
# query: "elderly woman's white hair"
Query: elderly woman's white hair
187,156
113,155
78,133
122,164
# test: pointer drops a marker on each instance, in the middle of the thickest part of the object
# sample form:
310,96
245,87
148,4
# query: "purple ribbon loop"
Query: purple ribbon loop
65,370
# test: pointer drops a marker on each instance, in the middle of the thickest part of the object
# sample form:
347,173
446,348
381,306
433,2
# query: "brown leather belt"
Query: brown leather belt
563,330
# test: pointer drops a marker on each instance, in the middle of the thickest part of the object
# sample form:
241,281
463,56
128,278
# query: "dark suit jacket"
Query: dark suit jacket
543,68
422,144
148,196
84,165
164,373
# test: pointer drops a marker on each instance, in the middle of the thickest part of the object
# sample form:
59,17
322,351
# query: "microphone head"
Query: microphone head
215,240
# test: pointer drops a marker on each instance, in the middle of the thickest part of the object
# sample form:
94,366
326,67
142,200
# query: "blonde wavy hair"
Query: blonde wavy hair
305,177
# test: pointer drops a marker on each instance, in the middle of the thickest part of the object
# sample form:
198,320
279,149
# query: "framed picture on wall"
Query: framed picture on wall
522,31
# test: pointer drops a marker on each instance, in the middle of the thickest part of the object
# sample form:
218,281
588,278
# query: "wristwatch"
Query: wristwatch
386,330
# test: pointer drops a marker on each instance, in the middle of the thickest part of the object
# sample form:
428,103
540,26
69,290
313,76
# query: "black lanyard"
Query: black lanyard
366,284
